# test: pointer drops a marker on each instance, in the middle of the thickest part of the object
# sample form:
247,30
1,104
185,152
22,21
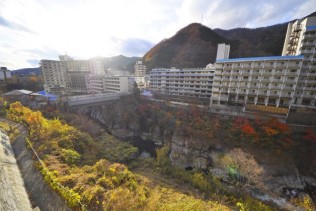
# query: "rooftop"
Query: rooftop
261,58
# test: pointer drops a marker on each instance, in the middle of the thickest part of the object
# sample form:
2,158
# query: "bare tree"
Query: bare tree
243,168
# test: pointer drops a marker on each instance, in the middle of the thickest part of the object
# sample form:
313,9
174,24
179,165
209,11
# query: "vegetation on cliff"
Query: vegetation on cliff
104,185
81,168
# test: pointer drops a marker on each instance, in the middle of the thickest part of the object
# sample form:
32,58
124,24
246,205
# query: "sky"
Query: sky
31,30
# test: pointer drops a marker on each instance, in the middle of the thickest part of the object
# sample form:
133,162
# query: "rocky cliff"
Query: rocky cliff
279,173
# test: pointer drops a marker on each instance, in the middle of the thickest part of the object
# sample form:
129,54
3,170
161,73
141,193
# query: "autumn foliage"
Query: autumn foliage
101,186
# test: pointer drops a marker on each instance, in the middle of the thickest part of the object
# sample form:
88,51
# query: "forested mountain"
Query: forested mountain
195,45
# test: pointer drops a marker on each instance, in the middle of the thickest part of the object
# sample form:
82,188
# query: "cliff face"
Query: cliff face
196,45
126,120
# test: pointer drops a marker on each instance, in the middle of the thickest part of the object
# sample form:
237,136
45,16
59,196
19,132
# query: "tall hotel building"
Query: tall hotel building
271,84
140,75
68,76
190,85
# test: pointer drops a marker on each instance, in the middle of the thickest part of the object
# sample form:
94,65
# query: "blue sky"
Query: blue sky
31,30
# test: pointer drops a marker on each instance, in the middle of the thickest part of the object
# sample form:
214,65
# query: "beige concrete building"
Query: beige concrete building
111,82
118,84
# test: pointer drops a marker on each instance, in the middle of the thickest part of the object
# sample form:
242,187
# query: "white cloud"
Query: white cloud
85,29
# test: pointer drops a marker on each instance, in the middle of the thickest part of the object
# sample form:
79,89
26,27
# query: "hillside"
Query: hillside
120,62
195,45
27,71
264,41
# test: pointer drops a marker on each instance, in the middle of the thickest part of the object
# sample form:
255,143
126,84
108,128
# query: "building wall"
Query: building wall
77,81
55,76
116,84
268,81
68,75
222,51
273,84
139,74
195,82
96,84
296,33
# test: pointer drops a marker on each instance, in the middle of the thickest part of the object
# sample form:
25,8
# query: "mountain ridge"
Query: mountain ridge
195,45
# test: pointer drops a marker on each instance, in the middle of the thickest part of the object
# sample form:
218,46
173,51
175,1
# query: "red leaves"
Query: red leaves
248,130
244,125
310,135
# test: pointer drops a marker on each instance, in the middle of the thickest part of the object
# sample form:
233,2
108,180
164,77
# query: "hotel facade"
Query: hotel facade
272,84
190,85
68,76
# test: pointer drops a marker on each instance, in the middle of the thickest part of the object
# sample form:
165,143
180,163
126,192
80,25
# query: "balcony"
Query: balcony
226,74
267,73
310,88
309,44
279,73
256,73
308,36
252,93
289,81
307,51
253,87
288,88
289,73
235,73
276,87
309,82
274,95
277,81
255,80
265,80
308,96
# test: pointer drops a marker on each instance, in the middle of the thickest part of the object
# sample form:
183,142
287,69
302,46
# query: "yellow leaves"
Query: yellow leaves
164,199
270,131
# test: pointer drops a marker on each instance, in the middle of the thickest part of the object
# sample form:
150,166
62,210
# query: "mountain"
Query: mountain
196,45
264,41
27,71
120,62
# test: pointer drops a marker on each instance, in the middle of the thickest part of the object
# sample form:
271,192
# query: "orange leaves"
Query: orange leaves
277,125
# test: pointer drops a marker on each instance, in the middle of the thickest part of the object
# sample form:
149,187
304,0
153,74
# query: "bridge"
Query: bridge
92,99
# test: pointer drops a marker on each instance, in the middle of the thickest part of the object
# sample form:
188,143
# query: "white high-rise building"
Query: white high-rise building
139,75
222,51
298,38
190,85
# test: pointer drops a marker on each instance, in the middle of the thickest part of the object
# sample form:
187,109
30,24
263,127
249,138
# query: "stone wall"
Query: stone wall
40,193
